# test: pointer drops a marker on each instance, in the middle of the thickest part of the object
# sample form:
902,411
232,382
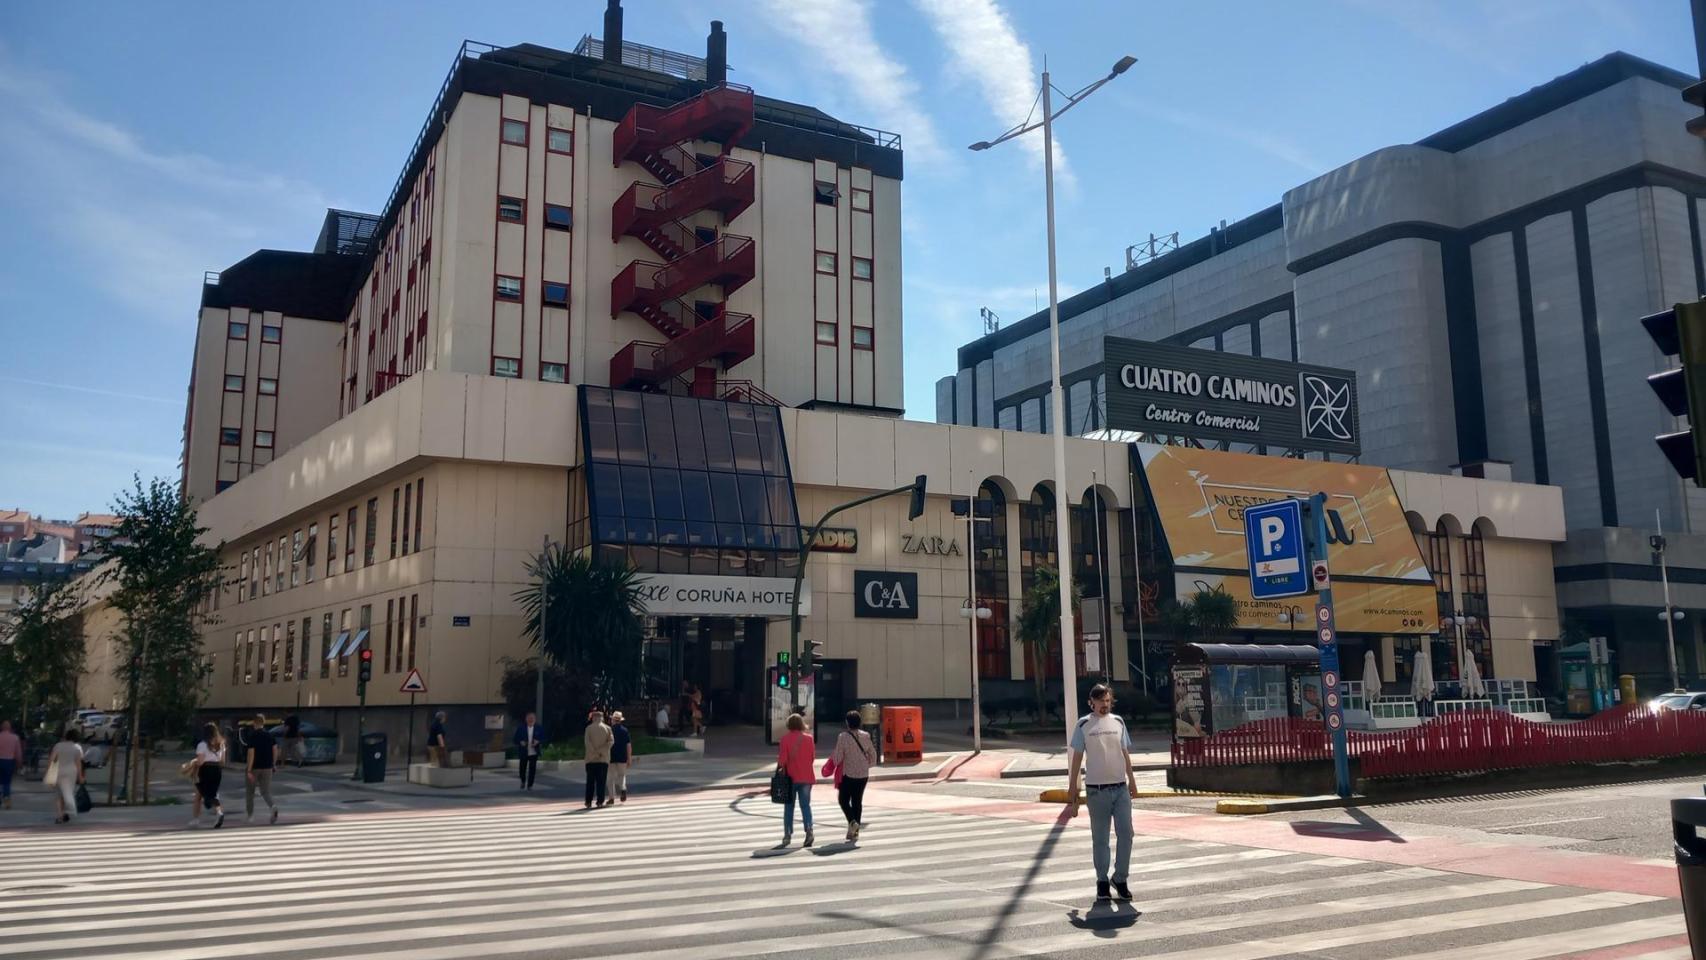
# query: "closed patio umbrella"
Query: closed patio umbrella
1422,678
1474,688
1370,677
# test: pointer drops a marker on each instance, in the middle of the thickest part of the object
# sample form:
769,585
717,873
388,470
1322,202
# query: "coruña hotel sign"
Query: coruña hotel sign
1171,391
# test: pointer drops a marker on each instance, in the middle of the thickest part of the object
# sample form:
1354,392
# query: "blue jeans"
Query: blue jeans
800,793
7,768
1113,803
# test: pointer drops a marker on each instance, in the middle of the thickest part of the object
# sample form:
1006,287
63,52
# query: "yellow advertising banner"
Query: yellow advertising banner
1380,582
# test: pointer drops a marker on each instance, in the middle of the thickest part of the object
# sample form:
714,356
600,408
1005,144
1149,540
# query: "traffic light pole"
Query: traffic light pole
1327,638
916,488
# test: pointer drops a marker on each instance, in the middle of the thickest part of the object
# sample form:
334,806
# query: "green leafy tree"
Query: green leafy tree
1215,613
42,653
1039,627
163,574
593,625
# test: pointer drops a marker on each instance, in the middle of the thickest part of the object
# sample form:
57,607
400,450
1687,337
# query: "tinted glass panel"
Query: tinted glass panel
689,440
769,425
696,495
666,494
605,486
725,497
636,492
672,531
731,535
630,428
781,501
743,430
701,533
660,429
754,501
641,531
600,429
719,454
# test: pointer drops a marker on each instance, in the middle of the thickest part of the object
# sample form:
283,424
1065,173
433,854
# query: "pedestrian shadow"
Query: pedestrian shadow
1105,919
831,849
768,853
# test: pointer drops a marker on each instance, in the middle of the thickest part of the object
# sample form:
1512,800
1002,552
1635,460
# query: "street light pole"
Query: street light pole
1668,616
1057,401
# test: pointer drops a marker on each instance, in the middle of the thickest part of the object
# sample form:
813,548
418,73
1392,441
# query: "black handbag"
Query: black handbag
781,785
84,804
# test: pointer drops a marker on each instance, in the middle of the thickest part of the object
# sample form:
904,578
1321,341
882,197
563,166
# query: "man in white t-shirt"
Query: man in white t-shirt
1101,750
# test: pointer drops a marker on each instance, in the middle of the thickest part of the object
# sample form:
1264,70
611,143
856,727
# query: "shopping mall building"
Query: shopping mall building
619,303
1484,283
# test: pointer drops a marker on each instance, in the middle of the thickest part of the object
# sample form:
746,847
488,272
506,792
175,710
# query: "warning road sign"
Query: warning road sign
413,683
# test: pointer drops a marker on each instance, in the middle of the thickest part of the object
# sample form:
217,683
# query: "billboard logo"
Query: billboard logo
1326,408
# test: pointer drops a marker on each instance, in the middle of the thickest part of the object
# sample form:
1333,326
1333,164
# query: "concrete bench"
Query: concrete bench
484,759
428,775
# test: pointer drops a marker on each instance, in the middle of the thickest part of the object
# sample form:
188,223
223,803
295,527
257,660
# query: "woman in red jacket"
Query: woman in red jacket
796,756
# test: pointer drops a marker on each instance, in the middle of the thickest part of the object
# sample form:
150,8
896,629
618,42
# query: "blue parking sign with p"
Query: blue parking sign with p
1273,541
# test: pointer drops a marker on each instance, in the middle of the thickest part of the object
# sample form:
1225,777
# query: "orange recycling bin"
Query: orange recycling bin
903,733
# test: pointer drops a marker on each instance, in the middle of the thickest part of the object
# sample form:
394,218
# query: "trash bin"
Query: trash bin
373,747
903,733
1626,686
1687,816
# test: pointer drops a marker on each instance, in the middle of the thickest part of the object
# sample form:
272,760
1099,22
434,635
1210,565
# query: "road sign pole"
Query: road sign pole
1326,634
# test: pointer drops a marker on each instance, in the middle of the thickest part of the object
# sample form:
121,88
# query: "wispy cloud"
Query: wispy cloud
840,38
116,394
1271,145
984,48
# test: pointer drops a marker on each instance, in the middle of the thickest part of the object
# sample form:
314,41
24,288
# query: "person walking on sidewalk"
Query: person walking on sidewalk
598,741
1101,750
438,748
852,759
296,748
11,758
263,760
208,769
621,757
65,766
797,755
529,743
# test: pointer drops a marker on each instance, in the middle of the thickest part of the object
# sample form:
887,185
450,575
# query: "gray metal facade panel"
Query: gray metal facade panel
1562,360
1504,388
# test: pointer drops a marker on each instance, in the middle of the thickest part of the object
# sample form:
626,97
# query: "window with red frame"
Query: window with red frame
863,338
508,288
515,131
506,367
558,140
511,210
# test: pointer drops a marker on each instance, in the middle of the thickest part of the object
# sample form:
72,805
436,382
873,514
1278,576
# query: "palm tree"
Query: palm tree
1214,612
593,627
1039,626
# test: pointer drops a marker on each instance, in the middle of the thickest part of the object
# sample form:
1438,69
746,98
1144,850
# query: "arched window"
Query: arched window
991,564
1476,635
1038,547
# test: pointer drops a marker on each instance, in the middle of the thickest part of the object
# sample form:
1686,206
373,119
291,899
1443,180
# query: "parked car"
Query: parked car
1678,701
319,744
88,723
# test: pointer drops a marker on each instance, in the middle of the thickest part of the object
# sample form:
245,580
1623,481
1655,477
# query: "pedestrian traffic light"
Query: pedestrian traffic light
1681,332
917,508
365,673
782,675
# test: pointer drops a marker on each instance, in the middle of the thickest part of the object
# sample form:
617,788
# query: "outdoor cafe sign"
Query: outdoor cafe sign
1165,390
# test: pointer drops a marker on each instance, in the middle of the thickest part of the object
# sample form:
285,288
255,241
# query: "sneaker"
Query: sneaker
857,826
1102,890
808,838
219,820
624,796
274,815
849,838
1123,890
589,804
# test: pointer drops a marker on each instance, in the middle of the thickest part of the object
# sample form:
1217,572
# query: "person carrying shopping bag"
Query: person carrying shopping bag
65,775
850,765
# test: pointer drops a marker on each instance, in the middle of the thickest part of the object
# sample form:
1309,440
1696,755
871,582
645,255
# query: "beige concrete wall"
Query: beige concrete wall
1522,603
103,653
1523,511
304,365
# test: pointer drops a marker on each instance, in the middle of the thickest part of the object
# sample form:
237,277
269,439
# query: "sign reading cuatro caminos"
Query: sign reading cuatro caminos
687,595
1210,395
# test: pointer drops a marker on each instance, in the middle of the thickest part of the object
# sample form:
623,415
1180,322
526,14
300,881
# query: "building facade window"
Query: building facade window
508,288
325,645
558,140
559,217
515,131
990,562
408,504
249,659
307,631
237,330
554,372
332,545
349,540
420,508
555,294
230,436
233,383
396,506
266,573
1476,634
261,658
263,439
861,199
414,626
242,577
863,338
255,573
825,193
283,545
511,209
861,268
389,615
825,332
268,386
295,559
290,651
311,550
825,262
271,334
506,367
371,540
343,643
237,660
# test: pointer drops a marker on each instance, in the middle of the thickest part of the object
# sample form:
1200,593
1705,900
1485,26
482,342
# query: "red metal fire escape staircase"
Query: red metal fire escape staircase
659,215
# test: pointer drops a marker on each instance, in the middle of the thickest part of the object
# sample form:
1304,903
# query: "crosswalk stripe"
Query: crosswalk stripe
1575,941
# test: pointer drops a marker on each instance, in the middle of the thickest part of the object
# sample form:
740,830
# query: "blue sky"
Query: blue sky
146,143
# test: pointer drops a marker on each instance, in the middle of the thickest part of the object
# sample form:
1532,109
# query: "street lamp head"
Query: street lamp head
1124,64
980,145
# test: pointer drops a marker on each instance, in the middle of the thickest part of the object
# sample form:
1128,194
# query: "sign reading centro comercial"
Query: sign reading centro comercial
686,595
1210,395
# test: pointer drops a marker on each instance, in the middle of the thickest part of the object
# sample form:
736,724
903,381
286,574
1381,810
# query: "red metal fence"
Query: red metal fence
1460,743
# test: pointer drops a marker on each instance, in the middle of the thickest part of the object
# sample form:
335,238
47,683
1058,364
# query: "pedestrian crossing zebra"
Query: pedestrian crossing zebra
700,878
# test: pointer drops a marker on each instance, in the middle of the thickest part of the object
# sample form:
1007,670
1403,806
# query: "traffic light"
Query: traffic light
365,672
1681,332
783,676
812,659
917,508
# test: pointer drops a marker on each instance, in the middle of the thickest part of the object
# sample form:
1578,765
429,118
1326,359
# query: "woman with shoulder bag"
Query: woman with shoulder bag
795,759
65,775
851,765
208,770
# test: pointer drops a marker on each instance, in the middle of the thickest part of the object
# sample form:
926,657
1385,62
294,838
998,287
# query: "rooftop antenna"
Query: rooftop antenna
991,322
1139,254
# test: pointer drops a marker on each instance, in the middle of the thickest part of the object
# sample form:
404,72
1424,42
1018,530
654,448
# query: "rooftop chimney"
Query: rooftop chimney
717,55
613,31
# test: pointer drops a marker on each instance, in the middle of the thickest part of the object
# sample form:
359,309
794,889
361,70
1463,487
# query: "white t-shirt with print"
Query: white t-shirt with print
1103,741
